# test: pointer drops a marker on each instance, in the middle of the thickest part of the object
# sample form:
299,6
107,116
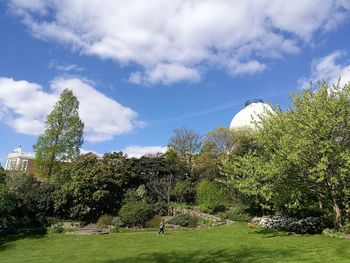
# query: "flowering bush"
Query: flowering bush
309,225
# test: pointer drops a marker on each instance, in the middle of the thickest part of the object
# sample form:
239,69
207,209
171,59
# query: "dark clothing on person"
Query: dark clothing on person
161,228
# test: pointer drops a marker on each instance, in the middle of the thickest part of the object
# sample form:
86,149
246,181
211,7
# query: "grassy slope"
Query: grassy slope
234,243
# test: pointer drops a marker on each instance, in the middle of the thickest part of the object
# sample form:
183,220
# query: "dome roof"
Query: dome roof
246,117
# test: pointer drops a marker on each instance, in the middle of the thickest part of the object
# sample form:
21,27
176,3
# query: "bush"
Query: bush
50,220
131,195
161,208
105,221
210,197
183,191
346,228
135,213
236,213
56,228
24,202
309,225
334,233
184,220
154,221
117,225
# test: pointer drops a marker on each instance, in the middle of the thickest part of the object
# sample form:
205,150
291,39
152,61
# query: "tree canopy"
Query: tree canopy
304,159
63,135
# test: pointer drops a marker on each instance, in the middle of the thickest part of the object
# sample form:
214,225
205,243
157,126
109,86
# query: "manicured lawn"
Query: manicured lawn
233,243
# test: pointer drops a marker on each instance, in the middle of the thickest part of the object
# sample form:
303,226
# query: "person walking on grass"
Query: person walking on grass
161,228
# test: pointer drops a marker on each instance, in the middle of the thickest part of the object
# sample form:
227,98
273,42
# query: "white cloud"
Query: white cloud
170,73
64,67
328,69
31,5
139,151
24,106
174,41
250,67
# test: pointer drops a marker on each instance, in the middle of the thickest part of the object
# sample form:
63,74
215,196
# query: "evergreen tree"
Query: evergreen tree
63,136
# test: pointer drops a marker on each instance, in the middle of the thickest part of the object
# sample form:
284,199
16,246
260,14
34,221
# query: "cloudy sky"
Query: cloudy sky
141,69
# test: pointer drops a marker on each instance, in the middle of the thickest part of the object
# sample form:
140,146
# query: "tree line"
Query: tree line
294,163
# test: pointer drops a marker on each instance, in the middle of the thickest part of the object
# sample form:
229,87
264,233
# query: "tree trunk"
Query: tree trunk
337,211
168,204
346,197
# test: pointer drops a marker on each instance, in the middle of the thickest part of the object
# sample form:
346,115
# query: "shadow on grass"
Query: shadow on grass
208,256
7,241
270,233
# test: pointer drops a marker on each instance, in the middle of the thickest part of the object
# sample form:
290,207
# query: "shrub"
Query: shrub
309,225
131,196
50,220
210,197
56,228
236,213
105,220
117,224
346,228
154,221
161,208
183,191
184,220
24,202
135,213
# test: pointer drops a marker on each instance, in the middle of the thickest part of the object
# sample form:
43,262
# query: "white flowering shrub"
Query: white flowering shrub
309,225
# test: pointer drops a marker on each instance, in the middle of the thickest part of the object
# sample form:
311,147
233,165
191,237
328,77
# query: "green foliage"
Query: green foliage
218,145
184,220
207,164
154,221
301,158
7,204
63,136
131,195
184,191
161,208
210,197
105,221
220,141
95,187
2,175
186,143
159,175
135,213
308,148
248,176
236,213
56,228
32,200
346,228
24,203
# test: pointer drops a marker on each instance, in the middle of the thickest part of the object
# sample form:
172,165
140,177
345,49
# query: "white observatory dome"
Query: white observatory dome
246,117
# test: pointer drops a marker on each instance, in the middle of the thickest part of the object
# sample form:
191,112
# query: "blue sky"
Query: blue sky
142,70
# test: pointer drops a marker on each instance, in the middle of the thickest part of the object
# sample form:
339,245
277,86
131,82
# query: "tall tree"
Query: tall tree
304,159
186,143
220,141
218,144
63,136
310,144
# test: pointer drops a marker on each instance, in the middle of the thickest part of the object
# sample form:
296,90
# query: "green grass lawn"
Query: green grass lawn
232,243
